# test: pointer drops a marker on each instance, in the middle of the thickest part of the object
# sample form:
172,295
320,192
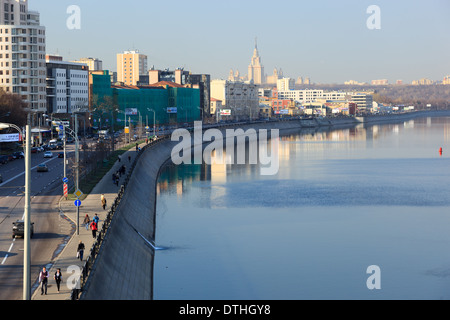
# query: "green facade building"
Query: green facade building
171,102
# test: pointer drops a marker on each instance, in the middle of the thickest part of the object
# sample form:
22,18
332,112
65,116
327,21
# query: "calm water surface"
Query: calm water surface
342,201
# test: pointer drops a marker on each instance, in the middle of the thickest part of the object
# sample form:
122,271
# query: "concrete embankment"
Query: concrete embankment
124,267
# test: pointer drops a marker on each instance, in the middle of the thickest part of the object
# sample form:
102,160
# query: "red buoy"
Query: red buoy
440,151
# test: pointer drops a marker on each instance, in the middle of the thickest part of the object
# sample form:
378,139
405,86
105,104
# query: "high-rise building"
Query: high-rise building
22,54
446,80
256,69
131,65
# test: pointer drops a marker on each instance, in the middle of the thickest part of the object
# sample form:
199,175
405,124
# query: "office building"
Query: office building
22,54
67,86
131,65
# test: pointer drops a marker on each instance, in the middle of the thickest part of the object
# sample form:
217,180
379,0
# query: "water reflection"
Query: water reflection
342,200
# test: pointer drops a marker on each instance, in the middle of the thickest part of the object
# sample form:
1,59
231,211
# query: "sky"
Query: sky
325,40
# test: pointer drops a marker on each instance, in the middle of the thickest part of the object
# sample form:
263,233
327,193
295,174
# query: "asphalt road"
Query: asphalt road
50,229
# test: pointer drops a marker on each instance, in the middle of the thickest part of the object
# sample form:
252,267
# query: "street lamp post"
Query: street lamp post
27,225
154,120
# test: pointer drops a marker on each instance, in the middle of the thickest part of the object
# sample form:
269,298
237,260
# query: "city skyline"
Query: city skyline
326,41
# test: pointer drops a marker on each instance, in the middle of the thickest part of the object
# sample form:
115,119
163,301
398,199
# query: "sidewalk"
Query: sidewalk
90,205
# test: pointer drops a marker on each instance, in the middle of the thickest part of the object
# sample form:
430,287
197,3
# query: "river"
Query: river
343,202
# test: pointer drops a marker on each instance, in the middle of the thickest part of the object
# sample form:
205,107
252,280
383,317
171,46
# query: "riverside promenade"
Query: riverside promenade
91,205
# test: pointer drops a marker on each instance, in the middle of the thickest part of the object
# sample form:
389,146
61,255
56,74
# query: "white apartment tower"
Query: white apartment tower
22,54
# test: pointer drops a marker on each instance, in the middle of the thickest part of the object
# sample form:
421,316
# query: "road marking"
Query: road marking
9,251
21,174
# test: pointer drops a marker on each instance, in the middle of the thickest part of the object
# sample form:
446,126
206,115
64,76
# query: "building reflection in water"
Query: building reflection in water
297,145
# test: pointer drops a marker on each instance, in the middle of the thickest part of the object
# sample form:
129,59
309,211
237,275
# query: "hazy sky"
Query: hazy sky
325,40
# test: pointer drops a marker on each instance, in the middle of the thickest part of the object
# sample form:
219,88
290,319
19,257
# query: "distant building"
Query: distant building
180,76
171,102
285,84
239,97
422,82
446,80
302,96
92,63
363,101
272,79
381,82
67,86
256,69
131,65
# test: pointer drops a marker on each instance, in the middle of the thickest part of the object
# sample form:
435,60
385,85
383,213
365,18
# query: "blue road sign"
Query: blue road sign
77,203
65,180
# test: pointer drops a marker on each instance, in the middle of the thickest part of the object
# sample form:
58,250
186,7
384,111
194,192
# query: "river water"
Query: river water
342,202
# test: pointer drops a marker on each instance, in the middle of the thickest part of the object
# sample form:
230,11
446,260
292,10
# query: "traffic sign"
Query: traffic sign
77,203
66,190
65,180
78,193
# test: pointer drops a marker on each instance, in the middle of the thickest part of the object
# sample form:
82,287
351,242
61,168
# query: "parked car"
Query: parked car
34,150
3,159
48,154
42,168
19,229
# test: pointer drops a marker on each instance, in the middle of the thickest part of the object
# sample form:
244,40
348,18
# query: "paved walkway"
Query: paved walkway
90,205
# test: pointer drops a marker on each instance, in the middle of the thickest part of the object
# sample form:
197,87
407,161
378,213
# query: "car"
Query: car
60,145
34,150
48,154
18,155
42,168
60,154
19,229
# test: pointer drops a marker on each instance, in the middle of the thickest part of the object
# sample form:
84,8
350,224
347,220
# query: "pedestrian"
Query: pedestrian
114,178
136,147
80,250
123,169
104,203
119,157
117,178
94,229
86,221
58,278
129,158
96,219
43,280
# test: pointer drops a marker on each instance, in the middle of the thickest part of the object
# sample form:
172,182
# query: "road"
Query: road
51,230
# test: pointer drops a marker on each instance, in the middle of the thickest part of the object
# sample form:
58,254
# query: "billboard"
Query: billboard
10,137
225,112
131,111
172,110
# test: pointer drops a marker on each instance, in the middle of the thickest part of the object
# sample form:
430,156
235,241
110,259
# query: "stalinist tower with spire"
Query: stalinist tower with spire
256,69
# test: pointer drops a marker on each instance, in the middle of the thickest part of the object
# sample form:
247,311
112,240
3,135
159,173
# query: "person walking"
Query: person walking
80,250
43,280
86,221
96,219
58,278
94,229
104,203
